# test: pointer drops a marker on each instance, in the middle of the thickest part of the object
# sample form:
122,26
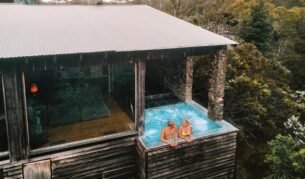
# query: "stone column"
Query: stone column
189,79
217,84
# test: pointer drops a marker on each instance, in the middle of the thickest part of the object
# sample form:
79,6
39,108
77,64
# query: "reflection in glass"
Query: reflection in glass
79,103
3,131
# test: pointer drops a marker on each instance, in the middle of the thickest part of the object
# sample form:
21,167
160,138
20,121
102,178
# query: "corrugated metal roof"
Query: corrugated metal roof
52,30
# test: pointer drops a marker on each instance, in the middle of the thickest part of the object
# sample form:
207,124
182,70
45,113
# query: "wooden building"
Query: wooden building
76,81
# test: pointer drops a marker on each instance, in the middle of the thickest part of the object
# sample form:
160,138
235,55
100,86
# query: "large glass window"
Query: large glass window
3,130
78,103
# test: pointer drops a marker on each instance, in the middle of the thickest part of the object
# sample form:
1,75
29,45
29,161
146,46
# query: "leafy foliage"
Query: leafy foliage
297,129
287,158
251,88
289,3
258,28
257,100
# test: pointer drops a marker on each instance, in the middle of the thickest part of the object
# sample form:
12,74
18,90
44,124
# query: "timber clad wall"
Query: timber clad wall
37,170
211,157
109,159
14,113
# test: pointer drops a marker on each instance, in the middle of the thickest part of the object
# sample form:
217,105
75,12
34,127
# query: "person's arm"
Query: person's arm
174,143
163,137
191,132
180,133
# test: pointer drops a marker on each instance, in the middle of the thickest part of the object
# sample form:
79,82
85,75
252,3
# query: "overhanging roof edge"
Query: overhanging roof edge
198,48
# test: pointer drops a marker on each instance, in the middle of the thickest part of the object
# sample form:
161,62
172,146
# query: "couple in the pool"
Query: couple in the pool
170,134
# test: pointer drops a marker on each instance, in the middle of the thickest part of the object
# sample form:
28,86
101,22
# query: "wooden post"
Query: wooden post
37,170
140,69
1,173
189,79
12,83
217,84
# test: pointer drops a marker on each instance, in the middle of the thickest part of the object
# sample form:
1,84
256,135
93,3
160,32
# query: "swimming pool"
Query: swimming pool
156,118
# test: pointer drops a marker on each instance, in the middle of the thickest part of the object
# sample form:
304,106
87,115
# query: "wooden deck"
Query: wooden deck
206,157
117,122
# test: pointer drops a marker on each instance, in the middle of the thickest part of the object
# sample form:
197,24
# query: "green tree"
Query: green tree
257,96
289,3
287,153
258,28
287,158
258,100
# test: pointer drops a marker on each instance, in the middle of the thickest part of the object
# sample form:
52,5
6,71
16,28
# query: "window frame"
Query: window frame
69,145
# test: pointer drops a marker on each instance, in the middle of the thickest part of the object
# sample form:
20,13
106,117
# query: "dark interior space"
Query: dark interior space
156,91
201,75
78,103
3,135
154,79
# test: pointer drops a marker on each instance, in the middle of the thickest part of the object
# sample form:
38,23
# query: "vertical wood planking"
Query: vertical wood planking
12,83
25,115
208,157
1,173
37,170
140,95
113,158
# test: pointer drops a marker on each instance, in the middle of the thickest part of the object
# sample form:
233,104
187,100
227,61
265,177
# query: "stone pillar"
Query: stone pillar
189,79
217,84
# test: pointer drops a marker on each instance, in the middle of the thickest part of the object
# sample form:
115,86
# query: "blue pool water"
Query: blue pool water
156,119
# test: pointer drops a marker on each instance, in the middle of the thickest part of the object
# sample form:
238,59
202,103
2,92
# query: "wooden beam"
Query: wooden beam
82,143
25,115
12,83
140,70
1,173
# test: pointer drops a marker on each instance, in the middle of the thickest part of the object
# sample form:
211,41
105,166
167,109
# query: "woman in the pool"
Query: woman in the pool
169,134
185,131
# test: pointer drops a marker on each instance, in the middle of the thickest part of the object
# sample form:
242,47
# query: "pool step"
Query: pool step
156,96
160,100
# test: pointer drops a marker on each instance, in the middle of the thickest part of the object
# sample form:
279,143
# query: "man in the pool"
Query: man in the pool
169,134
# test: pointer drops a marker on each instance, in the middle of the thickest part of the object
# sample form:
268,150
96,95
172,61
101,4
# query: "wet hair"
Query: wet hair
185,119
170,122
